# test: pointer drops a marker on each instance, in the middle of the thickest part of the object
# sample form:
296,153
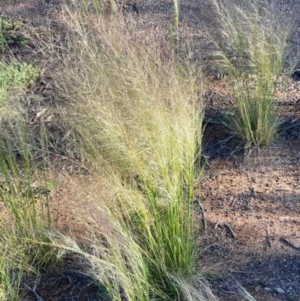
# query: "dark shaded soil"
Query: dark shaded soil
65,286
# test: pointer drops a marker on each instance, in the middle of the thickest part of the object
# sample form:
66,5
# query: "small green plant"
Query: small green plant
10,34
15,77
251,48
14,81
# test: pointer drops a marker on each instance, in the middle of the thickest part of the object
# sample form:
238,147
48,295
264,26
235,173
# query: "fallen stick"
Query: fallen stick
290,244
38,297
230,230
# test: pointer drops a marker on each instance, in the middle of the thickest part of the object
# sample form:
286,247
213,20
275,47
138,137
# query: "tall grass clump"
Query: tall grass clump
251,47
25,221
24,214
10,282
137,118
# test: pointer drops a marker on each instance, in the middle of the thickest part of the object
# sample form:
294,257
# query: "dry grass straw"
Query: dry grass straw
113,257
251,47
137,117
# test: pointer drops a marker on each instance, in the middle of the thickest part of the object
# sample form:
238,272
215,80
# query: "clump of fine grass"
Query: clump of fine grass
251,46
9,283
25,219
137,118
24,214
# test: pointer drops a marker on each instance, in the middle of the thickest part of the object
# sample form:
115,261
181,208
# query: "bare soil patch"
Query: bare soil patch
252,206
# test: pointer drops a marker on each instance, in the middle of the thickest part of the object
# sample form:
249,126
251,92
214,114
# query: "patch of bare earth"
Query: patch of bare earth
252,210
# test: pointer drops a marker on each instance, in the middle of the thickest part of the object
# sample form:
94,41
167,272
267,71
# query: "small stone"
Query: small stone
279,290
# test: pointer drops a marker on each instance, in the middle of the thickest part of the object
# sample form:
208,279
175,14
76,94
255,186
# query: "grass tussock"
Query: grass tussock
24,215
137,117
251,47
25,220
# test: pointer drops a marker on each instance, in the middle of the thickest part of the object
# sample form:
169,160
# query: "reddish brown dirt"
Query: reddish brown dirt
251,199
252,205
